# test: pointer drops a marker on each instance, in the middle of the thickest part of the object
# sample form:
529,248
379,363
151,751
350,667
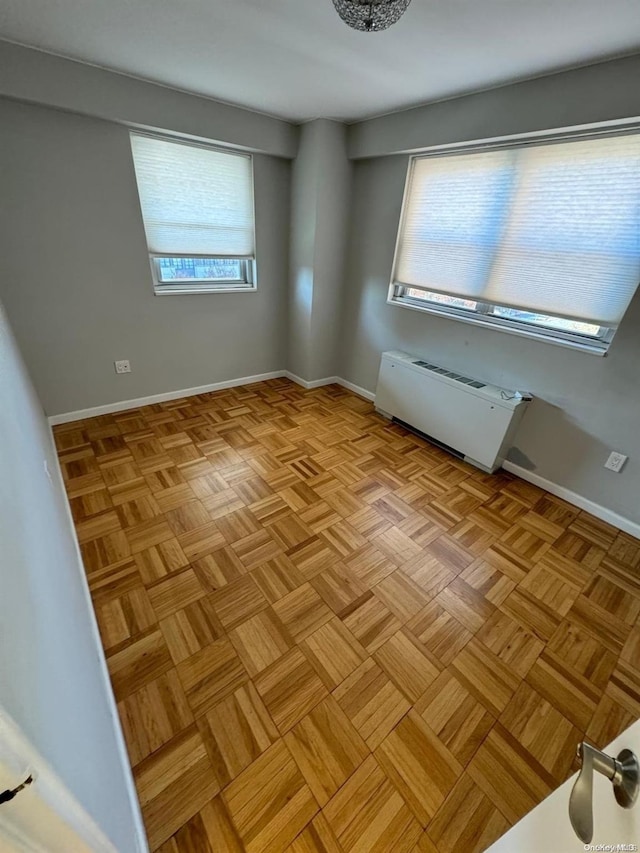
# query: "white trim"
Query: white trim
313,383
601,512
123,753
123,405
330,380
356,389
497,325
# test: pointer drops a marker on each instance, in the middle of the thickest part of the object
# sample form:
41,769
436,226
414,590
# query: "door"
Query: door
44,817
547,828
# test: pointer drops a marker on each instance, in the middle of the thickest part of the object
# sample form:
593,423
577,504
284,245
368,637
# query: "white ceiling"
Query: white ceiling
296,59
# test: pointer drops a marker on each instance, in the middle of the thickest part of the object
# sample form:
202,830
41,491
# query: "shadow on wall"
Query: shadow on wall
557,443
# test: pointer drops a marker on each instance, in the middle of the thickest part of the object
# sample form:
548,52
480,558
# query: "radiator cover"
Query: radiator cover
474,418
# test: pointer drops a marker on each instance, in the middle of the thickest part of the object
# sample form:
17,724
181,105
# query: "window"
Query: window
197,207
535,239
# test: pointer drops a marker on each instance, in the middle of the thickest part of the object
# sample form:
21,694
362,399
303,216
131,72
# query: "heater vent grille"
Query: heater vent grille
441,371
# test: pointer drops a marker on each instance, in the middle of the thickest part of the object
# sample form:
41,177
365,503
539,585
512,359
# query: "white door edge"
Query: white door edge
45,815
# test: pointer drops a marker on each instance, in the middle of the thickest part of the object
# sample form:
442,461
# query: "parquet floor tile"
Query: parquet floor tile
124,615
193,628
485,676
236,731
139,662
542,730
402,595
609,720
509,775
317,837
269,802
153,715
211,674
455,715
514,645
260,641
290,688
372,703
440,632
174,783
326,748
334,652
566,689
406,662
467,820
325,635
419,765
369,814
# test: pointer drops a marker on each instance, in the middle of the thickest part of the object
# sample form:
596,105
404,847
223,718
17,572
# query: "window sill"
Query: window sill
497,325
196,291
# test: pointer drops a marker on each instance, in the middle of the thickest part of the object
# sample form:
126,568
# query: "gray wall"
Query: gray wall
321,195
332,228
302,249
53,680
585,405
36,77
607,91
76,279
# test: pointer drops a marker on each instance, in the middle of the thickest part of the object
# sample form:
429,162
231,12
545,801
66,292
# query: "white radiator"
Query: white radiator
475,419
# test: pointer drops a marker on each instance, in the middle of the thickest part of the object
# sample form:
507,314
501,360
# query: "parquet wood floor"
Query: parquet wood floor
325,634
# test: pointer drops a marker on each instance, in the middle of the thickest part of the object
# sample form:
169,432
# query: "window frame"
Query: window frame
249,284
596,345
186,287
482,317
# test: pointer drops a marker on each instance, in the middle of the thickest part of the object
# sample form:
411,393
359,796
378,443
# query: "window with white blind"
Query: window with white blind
541,239
197,207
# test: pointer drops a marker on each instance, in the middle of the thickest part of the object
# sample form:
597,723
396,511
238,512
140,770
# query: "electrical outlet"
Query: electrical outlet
123,366
615,462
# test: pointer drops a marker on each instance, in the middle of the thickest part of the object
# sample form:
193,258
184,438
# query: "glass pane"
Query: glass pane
441,299
200,269
572,326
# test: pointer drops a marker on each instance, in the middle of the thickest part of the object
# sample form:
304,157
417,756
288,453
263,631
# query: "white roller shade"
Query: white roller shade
552,229
195,200
452,221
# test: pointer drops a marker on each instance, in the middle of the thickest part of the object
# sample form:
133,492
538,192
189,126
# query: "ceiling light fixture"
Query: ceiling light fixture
371,15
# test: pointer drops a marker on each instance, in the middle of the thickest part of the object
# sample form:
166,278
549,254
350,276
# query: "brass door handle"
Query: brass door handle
624,773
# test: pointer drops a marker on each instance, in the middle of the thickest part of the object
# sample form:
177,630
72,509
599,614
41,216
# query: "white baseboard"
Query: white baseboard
601,512
313,383
331,380
123,405
361,392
